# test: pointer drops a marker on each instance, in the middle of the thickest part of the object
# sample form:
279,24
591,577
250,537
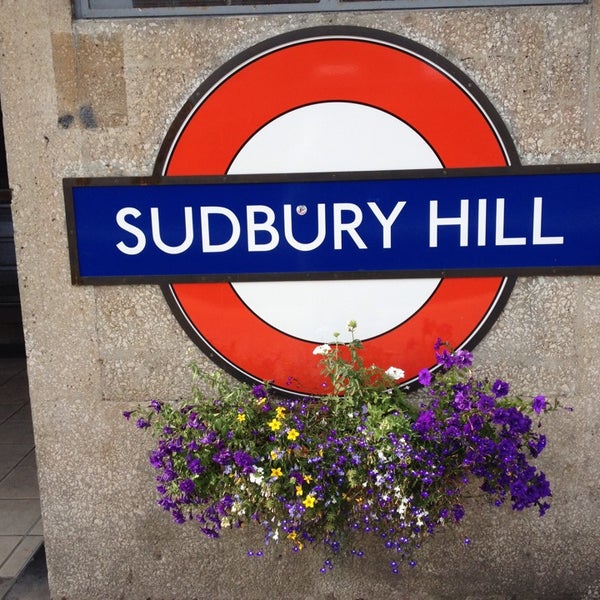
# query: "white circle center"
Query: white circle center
335,137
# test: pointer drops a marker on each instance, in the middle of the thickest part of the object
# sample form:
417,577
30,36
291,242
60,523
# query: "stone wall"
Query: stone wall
95,98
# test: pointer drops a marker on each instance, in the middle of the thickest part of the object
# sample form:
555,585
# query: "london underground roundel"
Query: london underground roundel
334,99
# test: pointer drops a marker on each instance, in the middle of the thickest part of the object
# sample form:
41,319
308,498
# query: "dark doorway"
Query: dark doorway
11,326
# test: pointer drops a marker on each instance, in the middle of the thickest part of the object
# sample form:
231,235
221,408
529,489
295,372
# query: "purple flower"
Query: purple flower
211,533
445,359
187,486
297,477
178,517
194,465
127,414
485,403
156,459
462,359
513,419
526,491
507,450
245,461
476,422
209,438
544,506
539,404
500,388
142,423
518,488
424,422
536,446
223,457
156,405
452,431
424,377
461,399
193,421
258,391
458,512
166,504
168,475
174,446
486,447
224,505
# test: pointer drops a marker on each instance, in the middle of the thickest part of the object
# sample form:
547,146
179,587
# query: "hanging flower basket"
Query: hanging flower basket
362,460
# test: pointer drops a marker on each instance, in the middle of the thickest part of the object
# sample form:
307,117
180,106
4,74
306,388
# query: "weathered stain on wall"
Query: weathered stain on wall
89,80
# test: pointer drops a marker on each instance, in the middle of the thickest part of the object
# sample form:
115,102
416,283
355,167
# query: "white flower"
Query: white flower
257,476
237,509
322,349
395,373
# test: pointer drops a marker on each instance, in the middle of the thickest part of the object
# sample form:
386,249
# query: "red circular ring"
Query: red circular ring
402,78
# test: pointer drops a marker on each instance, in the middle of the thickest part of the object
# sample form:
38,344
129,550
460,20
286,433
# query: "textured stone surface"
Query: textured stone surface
96,351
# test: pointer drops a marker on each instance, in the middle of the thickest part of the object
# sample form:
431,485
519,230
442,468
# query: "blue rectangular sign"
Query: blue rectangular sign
499,221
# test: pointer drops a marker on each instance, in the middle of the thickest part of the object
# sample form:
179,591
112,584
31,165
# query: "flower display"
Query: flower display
364,459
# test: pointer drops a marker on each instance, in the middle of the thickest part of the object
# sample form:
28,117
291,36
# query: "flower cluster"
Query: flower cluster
361,460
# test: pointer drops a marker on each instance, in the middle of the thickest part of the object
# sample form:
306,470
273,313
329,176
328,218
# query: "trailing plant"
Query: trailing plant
362,460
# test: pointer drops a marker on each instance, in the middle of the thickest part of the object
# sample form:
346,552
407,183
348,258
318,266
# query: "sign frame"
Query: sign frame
144,183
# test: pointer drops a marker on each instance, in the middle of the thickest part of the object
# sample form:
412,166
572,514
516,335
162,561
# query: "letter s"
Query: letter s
135,231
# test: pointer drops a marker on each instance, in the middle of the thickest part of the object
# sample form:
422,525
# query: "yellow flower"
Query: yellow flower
276,472
308,478
280,410
274,455
274,424
292,434
298,490
291,535
309,501
241,417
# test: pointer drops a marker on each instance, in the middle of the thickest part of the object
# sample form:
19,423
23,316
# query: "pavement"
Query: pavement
23,573
32,582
